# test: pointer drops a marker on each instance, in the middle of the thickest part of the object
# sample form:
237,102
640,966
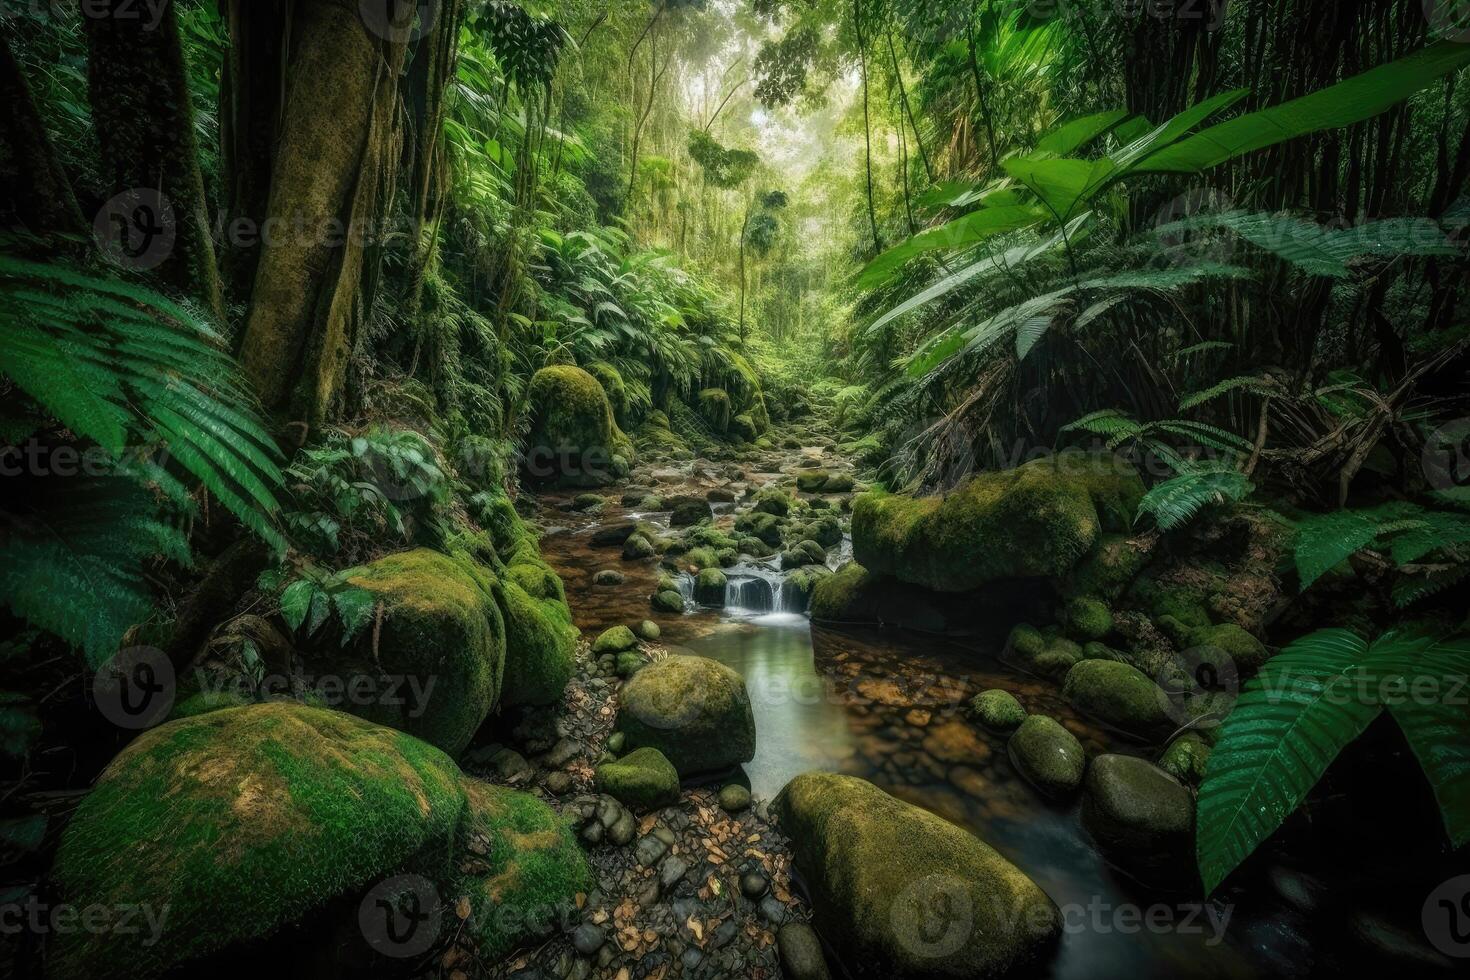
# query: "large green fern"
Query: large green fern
1408,532
1305,706
148,382
1173,502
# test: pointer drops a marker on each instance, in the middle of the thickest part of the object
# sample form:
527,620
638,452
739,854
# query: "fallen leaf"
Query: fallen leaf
462,907
696,927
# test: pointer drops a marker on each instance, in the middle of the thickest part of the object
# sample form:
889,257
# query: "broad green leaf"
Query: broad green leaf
1290,723
1350,101
1063,184
354,608
1429,705
962,231
296,602
1072,136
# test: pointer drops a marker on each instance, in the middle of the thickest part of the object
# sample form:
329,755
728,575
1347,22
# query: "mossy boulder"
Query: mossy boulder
812,481
1141,817
772,500
997,710
1048,756
1043,653
765,527
1112,566
709,587
1119,696
1036,521
1089,619
743,427
638,547
614,640
692,709
647,629
243,821
667,601
435,665
612,385
839,483
571,441
714,408
798,587
1248,653
878,868
540,648
643,779
686,511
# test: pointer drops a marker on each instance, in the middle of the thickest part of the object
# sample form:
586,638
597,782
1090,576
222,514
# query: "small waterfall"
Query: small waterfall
750,594
686,587
791,599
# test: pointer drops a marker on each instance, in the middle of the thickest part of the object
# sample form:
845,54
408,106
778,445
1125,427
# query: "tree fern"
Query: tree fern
1407,531
1307,704
1252,383
1174,502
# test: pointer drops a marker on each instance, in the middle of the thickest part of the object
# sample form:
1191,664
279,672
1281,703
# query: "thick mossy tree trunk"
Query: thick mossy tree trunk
333,175
139,92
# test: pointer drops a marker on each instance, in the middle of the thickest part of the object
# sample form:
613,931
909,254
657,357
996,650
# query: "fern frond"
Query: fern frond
1173,502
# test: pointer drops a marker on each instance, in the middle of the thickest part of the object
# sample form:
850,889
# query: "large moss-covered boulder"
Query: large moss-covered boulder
611,380
1036,521
1120,696
907,892
643,779
572,438
434,661
540,648
692,709
242,821
714,408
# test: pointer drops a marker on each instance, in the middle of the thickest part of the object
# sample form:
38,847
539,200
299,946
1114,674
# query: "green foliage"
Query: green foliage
1174,502
1307,704
1406,531
143,383
311,596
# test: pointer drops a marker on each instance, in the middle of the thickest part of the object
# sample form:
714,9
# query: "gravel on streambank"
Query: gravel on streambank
686,891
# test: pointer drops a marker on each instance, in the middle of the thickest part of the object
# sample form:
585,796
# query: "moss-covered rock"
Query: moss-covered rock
1036,521
1043,653
1112,566
242,821
772,500
647,629
520,867
878,868
1185,758
763,526
1120,696
435,665
638,547
1089,618
571,440
612,385
714,408
743,427
668,601
540,648
839,483
694,710
1048,756
798,587
642,779
1140,816
686,511
1248,653
614,640
812,481
709,587
997,710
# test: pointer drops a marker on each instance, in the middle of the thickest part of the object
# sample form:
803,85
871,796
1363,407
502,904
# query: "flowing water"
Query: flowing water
886,706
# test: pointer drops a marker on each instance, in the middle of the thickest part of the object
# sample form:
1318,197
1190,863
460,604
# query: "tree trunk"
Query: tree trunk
333,177
34,191
139,92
